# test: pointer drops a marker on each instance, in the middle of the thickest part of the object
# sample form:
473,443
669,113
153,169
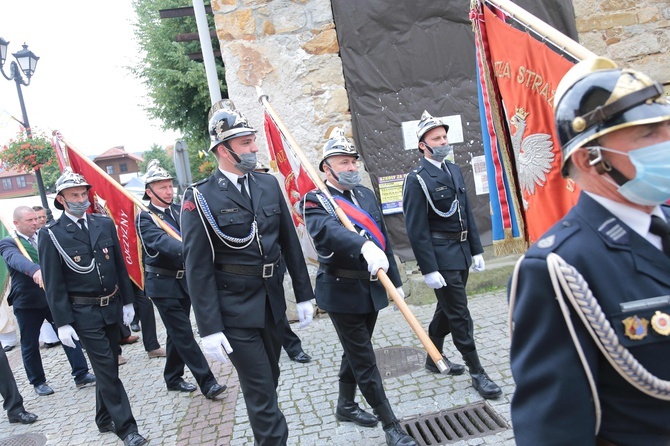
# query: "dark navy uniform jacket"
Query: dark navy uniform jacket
109,272
24,292
162,251
553,404
221,299
433,254
339,294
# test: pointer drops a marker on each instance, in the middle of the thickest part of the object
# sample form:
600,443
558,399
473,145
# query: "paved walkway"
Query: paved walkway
307,392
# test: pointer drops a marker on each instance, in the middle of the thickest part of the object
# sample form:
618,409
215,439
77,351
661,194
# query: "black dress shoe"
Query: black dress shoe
22,417
109,427
8,348
135,327
134,439
214,391
51,344
182,386
85,381
301,357
454,369
43,389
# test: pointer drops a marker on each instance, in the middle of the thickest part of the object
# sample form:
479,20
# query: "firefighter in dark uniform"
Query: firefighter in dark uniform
346,285
165,284
237,231
590,350
90,295
445,241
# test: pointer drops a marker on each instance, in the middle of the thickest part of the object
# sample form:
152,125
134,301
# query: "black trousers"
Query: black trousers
182,348
256,358
359,364
30,321
13,401
452,314
291,343
101,341
145,312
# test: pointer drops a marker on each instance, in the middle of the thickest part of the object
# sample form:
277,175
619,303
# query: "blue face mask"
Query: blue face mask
651,185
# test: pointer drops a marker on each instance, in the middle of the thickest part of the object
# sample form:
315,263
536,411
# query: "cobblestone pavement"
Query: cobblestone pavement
307,392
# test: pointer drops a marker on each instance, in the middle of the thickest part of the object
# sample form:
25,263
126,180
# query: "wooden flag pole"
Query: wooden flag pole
416,326
543,29
128,195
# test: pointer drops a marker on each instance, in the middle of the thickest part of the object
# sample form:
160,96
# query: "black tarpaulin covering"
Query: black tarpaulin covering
402,57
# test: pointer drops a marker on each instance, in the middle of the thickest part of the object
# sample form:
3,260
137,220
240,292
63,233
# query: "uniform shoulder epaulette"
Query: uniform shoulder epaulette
50,223
554,238
198,183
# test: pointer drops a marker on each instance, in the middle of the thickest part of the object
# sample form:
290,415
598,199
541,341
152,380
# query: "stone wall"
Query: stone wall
633,33
288,48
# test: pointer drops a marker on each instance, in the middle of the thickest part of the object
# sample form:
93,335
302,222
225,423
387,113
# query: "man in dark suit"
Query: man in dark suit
590,350
13,401
165,284
445,241
30,303
346,285
90,294
237,231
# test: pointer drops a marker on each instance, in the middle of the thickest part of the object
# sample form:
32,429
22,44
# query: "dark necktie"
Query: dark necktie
347,195
243,191
82,224
662,229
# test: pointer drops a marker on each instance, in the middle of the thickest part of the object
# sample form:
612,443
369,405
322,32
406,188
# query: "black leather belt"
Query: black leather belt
345,273
177,274
265,271
458,236
101,301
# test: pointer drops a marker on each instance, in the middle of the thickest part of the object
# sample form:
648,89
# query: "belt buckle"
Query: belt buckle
464,235
373,278
268,270
104,301
180,274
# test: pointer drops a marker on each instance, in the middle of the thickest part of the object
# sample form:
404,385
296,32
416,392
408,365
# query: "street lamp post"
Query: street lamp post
27,61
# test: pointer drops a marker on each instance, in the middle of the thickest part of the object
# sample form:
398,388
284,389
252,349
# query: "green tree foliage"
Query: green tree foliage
176,85
50,174
156,152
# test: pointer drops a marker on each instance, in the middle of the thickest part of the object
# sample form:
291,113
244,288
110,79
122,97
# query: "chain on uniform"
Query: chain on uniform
455,205
203,208
68,261
588,309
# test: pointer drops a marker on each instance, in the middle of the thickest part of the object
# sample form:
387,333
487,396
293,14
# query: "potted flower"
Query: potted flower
25,154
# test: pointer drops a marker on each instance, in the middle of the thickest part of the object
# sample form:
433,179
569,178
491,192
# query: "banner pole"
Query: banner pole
413,322
120,188
543,29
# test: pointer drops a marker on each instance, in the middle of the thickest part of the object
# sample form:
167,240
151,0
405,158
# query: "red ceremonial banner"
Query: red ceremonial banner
296,181
108,197
527,73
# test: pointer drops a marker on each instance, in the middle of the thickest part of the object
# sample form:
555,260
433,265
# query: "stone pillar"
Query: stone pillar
289,48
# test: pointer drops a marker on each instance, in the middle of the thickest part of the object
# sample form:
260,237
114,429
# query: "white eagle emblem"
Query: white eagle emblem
533,155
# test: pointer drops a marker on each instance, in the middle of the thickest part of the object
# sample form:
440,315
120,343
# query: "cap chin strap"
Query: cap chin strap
157,197
232,152
603,166
332,172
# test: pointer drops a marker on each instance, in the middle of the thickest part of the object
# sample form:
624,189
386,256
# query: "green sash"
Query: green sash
32,252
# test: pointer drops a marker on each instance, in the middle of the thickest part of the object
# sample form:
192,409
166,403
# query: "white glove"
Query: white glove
214,345
434,280
67,335
305,313
401,292
478,263
375,257
128,314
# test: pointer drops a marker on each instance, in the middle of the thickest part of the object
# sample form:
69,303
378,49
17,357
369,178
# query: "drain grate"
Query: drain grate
24,440
396,361
449,426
